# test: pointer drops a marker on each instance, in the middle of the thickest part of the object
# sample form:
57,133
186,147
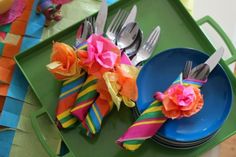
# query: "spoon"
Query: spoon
133,49
127,35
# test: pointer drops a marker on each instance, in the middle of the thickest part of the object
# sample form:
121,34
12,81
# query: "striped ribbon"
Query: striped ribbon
93,120
67,98
149,122
85,98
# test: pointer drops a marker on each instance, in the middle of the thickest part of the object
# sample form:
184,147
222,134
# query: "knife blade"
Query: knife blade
101,18
131,17
214,59
202,71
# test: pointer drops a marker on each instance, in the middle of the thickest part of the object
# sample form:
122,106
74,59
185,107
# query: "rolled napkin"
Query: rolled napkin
85,98
93,121
181,99
67,98
144,127
99,110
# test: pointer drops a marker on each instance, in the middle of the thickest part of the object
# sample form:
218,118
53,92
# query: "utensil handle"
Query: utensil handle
41,137
223,35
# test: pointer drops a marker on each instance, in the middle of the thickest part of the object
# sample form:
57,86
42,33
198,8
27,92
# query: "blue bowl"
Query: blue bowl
159,73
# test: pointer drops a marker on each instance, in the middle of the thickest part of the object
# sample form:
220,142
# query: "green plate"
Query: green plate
178,29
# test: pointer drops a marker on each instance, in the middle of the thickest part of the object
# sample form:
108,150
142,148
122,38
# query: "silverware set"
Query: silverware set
122,31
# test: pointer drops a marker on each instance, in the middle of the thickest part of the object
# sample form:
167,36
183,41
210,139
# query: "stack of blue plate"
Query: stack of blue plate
185,133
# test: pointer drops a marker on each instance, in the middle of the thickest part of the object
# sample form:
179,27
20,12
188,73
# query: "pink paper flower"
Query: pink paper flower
101,56
180,101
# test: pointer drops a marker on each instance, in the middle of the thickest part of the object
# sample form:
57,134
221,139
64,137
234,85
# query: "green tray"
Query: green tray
178,30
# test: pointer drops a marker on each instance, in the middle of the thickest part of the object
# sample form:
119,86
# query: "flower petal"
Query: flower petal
113,88
129,89
99,46
169,105
107,59
128,102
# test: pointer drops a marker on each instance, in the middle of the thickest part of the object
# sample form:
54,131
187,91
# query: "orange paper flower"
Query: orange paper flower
180,101
63,61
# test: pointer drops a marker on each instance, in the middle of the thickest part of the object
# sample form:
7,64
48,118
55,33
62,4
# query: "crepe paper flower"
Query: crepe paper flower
122,85
101,55
180,101
63,61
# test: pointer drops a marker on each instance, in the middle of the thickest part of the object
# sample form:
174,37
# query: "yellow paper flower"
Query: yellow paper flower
122,85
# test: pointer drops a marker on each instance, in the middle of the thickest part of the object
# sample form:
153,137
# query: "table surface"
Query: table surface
214,9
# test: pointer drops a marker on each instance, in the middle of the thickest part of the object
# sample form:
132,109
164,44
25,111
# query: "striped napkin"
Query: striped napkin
85,98
69,92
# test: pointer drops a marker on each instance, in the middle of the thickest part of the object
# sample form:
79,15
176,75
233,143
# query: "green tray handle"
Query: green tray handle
220,31
36,127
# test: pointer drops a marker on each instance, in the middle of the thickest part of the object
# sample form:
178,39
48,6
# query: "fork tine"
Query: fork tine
113,21
153,42
85,31
91,20
151,37
120,26
94,21
120,22
157,34
149,44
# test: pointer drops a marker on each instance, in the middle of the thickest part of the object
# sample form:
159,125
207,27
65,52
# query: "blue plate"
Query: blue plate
162,70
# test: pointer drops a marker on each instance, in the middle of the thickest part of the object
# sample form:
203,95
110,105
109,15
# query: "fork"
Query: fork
146,50
116,25
84,31
92,20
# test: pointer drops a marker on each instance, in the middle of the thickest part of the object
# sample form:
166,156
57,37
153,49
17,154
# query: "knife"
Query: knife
131,17
214,59
101,18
